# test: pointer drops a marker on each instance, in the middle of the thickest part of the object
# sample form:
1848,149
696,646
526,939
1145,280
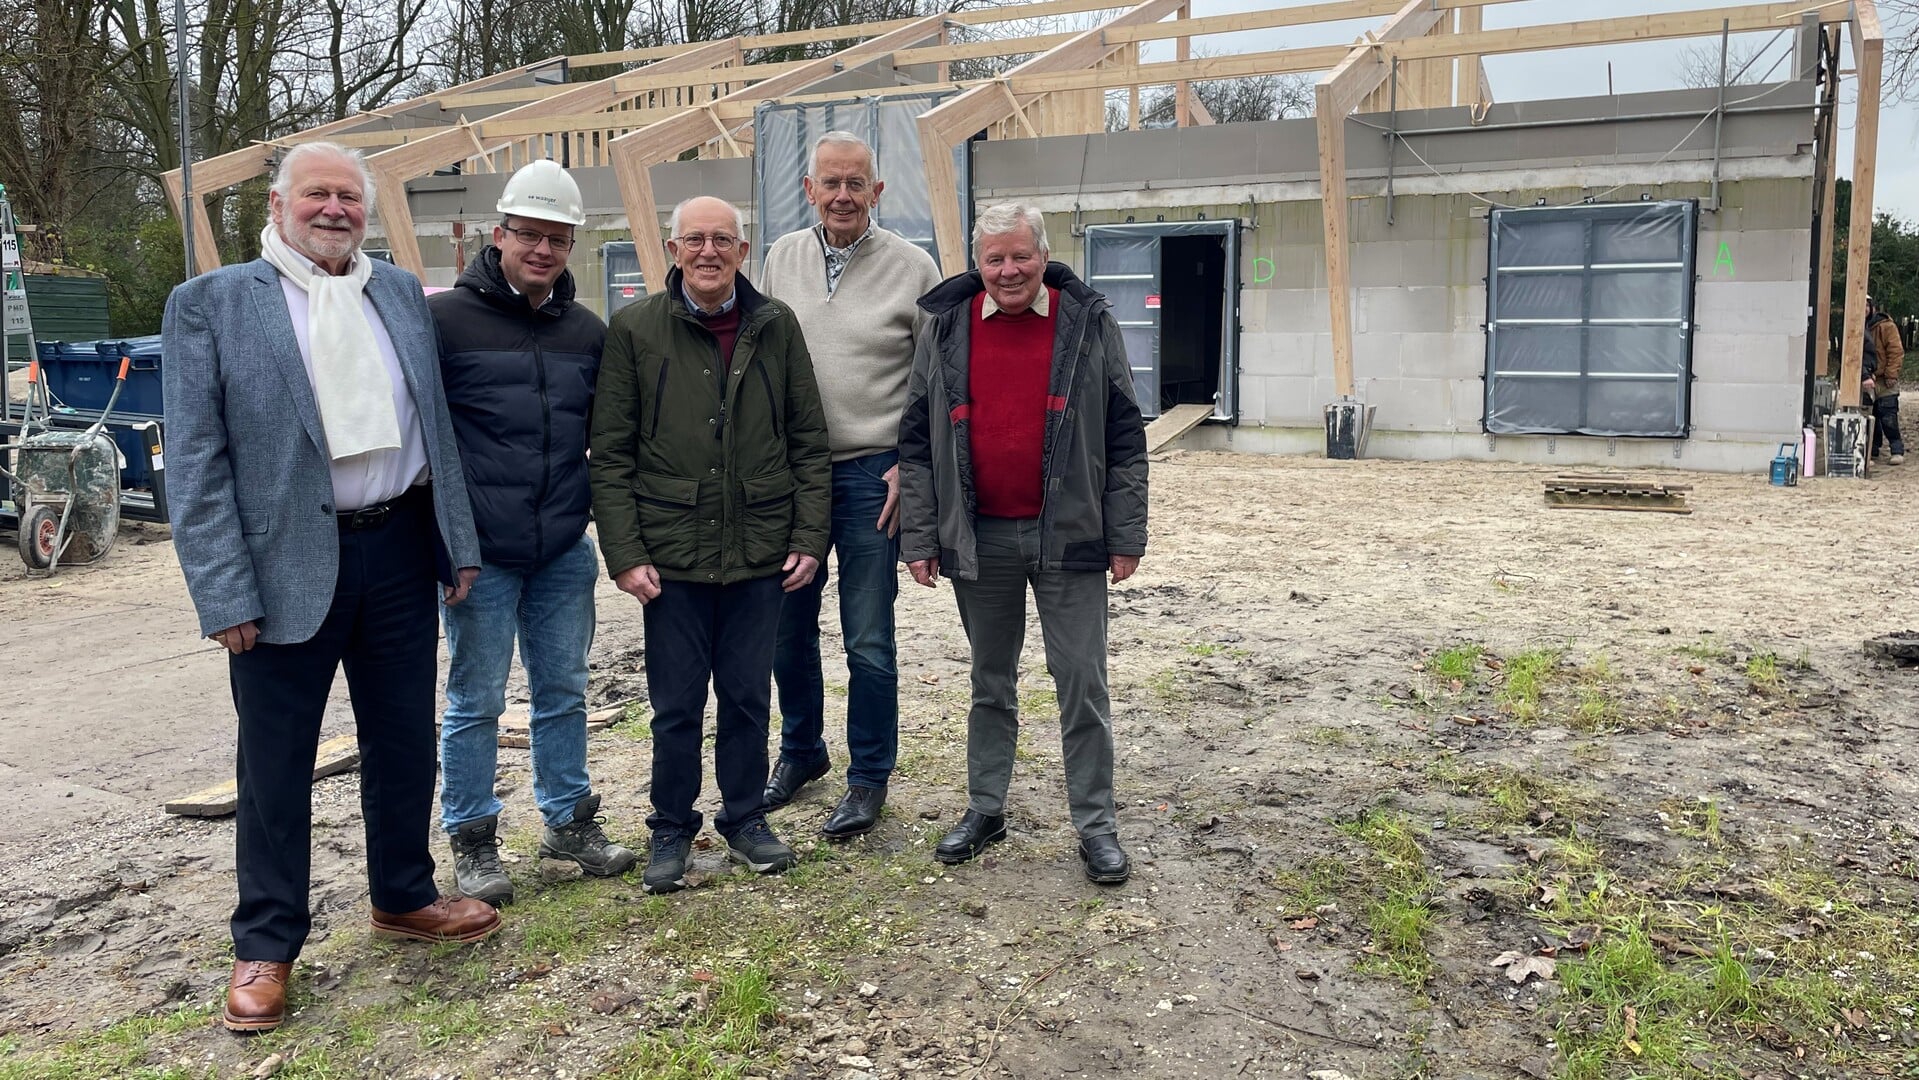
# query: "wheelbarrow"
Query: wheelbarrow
65,484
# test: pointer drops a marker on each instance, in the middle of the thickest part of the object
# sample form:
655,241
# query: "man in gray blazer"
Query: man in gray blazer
316,495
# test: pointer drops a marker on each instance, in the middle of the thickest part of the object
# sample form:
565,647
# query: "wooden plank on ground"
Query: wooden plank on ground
1163,431
335,755
516,724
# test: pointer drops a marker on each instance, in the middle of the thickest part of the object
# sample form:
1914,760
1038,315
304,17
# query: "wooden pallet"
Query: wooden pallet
1615,491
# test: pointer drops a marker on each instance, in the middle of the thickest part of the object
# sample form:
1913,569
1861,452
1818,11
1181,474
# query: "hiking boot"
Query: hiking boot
756,848
582,841
476,862
666,862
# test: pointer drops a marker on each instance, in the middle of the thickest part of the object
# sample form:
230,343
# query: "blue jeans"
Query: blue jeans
550,611
869,583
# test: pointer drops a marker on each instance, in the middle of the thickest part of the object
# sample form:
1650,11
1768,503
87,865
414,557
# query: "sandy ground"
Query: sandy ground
1269,685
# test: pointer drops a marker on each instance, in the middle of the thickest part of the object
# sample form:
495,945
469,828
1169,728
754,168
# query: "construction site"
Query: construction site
1625,280
1428,774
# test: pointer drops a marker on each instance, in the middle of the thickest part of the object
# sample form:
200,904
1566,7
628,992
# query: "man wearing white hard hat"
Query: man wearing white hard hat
519,356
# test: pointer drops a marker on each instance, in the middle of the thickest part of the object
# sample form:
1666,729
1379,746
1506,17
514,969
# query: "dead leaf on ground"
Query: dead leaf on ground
1631,1038
557,1030
1855,1017
608,1002
269,1067
1582,937
1306,923
930,679
1519,966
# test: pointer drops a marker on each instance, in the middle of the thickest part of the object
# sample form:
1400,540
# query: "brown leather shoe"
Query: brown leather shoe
450,918
256,995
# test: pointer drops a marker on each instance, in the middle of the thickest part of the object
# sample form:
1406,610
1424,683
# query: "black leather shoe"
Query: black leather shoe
858,812
970,837
1106,862
788,779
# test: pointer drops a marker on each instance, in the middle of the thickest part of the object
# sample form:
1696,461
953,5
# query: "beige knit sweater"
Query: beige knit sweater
861,337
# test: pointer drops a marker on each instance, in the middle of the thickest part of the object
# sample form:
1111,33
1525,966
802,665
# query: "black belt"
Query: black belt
372,517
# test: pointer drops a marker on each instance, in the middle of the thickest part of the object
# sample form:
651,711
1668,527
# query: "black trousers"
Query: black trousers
383,628
1885,426
725,634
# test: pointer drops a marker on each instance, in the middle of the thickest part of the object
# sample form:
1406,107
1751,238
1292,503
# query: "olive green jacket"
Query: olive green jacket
708,474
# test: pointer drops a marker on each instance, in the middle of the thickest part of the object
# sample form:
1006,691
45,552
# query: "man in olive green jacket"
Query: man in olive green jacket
711,492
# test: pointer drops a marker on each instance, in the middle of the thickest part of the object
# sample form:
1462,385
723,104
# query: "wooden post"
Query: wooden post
206,251
1347,85
1868,49
1333,211
1183,90
1468,78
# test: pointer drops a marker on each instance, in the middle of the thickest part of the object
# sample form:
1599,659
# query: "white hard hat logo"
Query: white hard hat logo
542,189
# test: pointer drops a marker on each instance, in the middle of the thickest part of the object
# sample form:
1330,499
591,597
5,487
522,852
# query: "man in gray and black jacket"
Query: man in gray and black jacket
1023,462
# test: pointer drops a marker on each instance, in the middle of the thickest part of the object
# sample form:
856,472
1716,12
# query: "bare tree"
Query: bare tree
1698,65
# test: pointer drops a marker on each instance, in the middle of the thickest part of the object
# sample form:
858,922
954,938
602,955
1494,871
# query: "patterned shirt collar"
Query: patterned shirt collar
1042,304
837,258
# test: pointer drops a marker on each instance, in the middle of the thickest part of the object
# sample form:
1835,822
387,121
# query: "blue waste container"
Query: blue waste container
143,395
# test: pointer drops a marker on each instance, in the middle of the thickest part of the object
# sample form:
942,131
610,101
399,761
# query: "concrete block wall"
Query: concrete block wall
1419,314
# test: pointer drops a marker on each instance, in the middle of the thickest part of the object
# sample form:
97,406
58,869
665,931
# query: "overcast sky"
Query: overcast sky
1636,67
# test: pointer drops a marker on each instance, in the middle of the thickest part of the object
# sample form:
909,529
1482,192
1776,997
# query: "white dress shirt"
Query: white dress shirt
380,475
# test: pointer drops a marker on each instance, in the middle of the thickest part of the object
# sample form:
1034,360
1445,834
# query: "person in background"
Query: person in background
855,288
1023,465
519,357
1883,334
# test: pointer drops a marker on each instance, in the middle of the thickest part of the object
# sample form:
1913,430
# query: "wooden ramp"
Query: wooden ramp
1162,432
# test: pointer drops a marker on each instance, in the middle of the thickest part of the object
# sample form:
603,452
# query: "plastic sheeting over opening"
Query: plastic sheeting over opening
1589,319
783,137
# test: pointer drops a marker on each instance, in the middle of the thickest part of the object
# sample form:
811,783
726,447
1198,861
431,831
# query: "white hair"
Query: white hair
283,176
841,138
1003,218
739,220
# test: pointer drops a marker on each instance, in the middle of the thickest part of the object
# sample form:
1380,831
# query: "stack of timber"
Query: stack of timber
1615,491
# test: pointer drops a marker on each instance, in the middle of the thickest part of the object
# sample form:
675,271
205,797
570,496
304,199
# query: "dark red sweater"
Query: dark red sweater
1011,362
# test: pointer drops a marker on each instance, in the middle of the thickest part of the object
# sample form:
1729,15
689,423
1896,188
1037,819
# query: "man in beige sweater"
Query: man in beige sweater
855,288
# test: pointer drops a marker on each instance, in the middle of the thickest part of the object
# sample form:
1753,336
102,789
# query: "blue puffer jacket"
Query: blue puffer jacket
519,384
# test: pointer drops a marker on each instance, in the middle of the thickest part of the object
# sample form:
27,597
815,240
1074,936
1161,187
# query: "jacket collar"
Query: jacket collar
487,278
959,290
749,299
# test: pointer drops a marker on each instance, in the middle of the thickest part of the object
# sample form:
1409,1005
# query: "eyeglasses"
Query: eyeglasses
854,187
721,242
532,237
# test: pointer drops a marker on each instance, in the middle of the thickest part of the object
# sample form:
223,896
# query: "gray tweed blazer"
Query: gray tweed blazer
249,488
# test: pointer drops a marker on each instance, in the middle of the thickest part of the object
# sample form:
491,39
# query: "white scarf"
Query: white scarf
350,381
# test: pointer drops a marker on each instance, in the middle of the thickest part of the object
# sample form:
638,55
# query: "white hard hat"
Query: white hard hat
544,191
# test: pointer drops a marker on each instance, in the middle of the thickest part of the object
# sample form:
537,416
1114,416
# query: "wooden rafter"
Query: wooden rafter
393,168
635,153
239,166
1822,304
944,126
1404,37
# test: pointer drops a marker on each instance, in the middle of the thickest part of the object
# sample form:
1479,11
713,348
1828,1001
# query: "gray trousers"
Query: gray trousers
1072,619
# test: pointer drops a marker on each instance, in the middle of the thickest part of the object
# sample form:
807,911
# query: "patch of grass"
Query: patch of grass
118,1051
1315,883
635,722
1596,708
438,1023
565,921
1400,912
1456,664
1038,703
1527,675
1168,687
1517,796
1703,649
1762,670
1326,735
1695,818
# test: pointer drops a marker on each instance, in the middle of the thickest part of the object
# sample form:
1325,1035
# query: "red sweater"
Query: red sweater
1011,363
